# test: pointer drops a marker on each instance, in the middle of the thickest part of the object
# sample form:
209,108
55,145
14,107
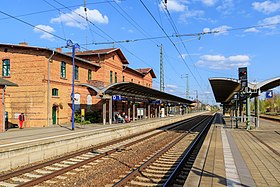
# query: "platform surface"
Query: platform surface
237,157
18,138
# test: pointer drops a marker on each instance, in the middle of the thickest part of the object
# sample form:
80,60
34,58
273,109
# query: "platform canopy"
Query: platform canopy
129,89
4,82
225,88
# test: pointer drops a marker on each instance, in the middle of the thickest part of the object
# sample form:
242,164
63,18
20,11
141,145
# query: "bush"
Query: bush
90,117
93,116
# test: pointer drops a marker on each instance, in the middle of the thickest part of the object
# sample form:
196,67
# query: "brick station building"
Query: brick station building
44,79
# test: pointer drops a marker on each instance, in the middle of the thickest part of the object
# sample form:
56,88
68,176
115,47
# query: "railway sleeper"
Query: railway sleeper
158,171
151,180
145,184
148,174
160,165
167,162
160,168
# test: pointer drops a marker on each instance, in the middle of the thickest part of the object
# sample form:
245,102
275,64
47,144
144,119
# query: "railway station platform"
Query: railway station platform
19,147
237,157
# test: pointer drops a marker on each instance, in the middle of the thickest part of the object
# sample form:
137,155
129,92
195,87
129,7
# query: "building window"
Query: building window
123,78
89,100
131,80
77,99
76,75
6,67
63,70
89,74
138,82
116,77
111,77
54,92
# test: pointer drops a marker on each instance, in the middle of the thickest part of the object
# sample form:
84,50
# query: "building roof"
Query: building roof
146,71
16,46
104,52
4,82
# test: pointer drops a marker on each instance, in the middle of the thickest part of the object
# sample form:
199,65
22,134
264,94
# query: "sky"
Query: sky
200,38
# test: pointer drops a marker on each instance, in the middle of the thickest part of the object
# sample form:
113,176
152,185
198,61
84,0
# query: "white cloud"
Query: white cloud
171,86
209,2
75,18
226,7
45,35
222,62
197,14
184,55
271,22
266,7
252,30
174,5
222,30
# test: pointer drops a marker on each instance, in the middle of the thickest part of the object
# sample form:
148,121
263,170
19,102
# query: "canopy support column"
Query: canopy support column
149,111
128,109
248,113
104,111
110,111
145,111
257,109
133,111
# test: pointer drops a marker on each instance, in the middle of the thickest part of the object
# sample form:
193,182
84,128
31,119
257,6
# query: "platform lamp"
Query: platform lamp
70,44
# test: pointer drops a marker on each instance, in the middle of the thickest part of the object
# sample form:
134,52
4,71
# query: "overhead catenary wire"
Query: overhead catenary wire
51,10
104,33
170,41
177,32
198,34
132,21
27,23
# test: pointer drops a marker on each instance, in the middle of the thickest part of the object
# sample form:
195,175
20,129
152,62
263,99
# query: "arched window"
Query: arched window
89,100
77,101
5,67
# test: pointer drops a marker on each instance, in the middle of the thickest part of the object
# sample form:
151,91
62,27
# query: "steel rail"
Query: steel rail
69,168
53,161
187,155
138,170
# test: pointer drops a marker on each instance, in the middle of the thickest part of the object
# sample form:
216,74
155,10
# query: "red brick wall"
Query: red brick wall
29,69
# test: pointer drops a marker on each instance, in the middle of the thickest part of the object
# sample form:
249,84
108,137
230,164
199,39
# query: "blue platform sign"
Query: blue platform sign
116,97
269,94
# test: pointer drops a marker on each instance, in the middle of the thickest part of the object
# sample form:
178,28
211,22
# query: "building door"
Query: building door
54,115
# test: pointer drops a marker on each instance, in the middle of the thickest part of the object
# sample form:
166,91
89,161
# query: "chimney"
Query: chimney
59,49
23,43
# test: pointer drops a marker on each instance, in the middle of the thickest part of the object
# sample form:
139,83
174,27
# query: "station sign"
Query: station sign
269,94
116,97
156,101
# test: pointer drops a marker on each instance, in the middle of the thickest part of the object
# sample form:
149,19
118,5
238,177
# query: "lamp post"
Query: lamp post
69,44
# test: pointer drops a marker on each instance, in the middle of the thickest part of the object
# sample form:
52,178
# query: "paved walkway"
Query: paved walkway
236,157
19,138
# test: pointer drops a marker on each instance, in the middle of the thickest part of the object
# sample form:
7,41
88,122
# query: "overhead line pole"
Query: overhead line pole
187,85
161,70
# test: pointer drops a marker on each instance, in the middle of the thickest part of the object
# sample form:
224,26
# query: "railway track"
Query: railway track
72,163
170,166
